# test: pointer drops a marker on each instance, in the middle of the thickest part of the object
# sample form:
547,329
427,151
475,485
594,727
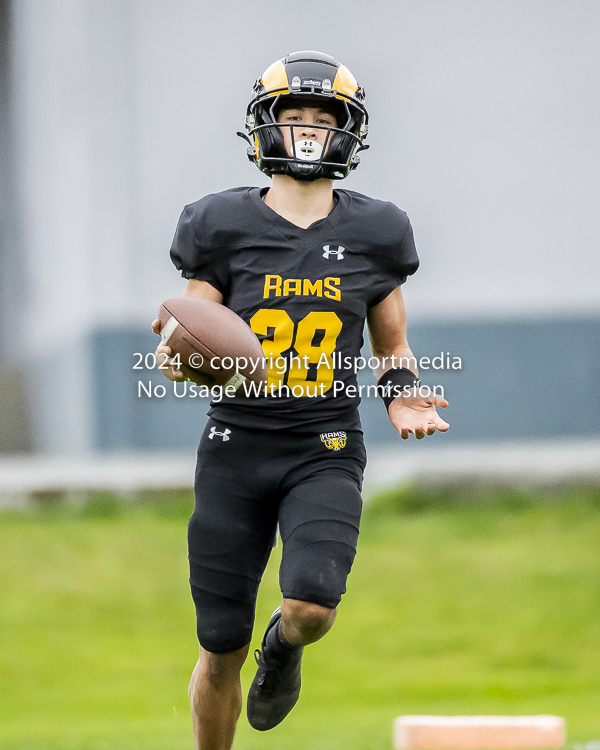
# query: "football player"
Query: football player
304,265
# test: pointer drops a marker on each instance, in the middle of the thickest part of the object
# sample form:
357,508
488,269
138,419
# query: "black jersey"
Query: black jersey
304,292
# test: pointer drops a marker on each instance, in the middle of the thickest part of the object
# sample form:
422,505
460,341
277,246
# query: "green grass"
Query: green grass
454,606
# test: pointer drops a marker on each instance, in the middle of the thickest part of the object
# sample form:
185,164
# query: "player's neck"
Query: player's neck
301,203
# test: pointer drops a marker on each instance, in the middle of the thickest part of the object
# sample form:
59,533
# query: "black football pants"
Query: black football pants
249,480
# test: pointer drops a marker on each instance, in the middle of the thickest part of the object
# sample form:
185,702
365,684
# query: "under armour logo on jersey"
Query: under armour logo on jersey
225,435
336,250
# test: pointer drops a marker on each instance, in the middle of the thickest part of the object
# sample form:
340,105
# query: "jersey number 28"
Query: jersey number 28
278,325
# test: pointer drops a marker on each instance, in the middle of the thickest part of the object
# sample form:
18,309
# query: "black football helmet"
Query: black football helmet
321,81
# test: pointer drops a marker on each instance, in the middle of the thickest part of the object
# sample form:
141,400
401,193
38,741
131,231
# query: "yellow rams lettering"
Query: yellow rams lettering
310,288
333,293
292,285
278,287
272,284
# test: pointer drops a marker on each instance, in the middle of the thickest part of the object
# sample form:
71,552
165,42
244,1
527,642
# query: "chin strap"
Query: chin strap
250,152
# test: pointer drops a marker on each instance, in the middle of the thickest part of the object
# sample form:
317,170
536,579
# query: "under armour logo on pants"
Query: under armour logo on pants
224,435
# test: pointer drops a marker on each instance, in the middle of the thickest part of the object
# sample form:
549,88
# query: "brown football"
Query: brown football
207,335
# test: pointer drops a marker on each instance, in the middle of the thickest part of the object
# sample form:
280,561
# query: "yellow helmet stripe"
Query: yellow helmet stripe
344,82
275,78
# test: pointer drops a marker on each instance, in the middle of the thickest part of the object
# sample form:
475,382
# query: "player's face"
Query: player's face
308,130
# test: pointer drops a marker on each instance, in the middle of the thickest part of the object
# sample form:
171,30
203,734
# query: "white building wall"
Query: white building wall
76,129
485,125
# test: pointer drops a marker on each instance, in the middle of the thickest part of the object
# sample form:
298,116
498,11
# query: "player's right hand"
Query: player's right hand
171,371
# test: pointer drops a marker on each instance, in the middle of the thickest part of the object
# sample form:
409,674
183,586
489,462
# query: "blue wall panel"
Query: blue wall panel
519,380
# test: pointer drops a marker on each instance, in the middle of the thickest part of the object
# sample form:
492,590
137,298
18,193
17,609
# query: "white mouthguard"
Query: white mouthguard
308,150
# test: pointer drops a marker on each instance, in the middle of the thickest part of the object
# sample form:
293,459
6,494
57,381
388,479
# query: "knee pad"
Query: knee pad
222,624
319,525
317,571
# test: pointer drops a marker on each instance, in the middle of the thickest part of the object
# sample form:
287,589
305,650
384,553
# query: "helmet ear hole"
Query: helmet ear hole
336,147
271,143
270,147
341,145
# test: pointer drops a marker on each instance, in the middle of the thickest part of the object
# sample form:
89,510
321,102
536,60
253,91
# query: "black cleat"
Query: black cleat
276,685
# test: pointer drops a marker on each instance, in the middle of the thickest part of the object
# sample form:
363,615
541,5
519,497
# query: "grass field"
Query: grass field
454,606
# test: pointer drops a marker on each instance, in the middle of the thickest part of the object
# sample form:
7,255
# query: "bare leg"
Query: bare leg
216,698
303,623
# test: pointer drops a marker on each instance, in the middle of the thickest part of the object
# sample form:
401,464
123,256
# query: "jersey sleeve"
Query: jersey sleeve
397,258
192,252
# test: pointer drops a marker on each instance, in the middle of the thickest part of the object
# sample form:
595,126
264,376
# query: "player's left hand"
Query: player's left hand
417,415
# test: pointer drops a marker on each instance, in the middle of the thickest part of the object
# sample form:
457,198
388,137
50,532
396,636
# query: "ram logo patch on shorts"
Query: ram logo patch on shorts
334,441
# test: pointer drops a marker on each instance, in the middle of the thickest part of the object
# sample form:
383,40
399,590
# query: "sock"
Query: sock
277,643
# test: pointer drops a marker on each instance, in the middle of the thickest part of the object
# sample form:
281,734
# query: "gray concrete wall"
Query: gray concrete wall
15,423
